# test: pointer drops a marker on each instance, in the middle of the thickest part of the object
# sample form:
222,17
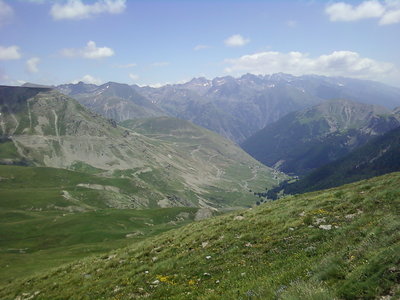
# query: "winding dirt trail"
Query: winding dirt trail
254,171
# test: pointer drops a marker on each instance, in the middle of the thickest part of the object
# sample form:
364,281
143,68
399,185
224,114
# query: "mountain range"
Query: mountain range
307,139
235,108
42,127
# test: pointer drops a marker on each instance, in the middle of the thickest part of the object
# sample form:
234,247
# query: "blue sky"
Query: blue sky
157,42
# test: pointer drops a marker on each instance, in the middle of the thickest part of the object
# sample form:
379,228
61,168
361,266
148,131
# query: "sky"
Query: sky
148,42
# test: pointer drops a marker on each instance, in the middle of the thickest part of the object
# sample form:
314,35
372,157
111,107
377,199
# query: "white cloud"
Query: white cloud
160,64
8,53
346,12
89,79
76,9
388,12
391,17
236,40
126,66
91,51
201,47
31,64
6,13
134,77
337,63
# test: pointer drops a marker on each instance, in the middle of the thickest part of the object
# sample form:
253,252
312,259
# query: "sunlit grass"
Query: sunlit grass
341,243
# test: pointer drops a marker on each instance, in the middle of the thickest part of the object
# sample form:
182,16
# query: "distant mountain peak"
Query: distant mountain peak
116,84
251,76
199,80
281,76
223,80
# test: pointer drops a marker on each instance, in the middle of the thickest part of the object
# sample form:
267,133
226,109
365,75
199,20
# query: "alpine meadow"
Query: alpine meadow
199,149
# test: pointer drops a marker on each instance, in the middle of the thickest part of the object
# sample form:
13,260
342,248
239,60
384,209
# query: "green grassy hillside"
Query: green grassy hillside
39,188
48,218
342,243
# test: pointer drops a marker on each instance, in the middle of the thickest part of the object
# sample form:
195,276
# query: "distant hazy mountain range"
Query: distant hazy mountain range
304,140
233,107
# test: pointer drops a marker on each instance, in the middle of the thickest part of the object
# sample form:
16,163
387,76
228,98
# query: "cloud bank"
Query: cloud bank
387,12
91,51
76,9
337,63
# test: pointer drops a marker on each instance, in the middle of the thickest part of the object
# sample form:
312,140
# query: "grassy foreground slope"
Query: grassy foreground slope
342,243
48,218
